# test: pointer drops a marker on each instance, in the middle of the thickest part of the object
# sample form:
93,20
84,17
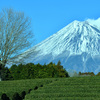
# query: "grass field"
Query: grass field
72,88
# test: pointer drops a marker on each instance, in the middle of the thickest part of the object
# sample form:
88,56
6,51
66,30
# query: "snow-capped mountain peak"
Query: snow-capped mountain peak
77,37
75,45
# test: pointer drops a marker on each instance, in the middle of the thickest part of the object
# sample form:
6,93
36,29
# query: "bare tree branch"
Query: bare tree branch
15,35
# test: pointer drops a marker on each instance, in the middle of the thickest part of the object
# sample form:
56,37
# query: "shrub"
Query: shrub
29,90
41,85
4,97
23,94
36,87
16,97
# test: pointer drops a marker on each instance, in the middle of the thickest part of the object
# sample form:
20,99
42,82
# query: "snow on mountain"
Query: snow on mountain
77,46
96,23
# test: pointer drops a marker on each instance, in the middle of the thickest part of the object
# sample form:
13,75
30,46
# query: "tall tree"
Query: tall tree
15,36
59,63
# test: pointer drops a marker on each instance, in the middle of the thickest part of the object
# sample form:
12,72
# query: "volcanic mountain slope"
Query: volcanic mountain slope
77,46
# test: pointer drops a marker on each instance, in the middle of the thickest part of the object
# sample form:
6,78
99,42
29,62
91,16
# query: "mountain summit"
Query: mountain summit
77,46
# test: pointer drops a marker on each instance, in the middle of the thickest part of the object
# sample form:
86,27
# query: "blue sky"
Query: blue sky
49,16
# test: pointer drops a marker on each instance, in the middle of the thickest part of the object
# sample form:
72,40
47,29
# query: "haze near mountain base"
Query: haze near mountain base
77,46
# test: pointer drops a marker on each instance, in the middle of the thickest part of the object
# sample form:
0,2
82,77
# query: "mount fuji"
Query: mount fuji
77,46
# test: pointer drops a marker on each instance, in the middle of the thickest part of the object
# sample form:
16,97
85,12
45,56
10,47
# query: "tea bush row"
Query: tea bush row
84,90
10,87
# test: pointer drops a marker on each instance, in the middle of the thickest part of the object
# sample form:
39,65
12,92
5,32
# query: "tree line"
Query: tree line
89,73
31,71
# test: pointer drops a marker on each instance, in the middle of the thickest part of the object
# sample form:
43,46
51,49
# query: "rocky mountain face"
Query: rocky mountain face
77,46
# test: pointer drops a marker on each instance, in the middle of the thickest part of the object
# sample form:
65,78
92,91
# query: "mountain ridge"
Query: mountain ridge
77,46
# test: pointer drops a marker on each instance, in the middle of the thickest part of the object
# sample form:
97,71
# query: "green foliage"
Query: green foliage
59,63
98,74
5,74
78,88
21,86
30,71
23,94
87,73
73,88
16,97
4,97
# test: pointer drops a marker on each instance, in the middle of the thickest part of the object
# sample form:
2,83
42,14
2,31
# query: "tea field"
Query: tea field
11,87
72,88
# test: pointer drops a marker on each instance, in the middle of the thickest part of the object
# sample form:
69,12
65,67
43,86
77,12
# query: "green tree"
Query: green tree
98,74
80,73
59,63
6,74
30,71
15,71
